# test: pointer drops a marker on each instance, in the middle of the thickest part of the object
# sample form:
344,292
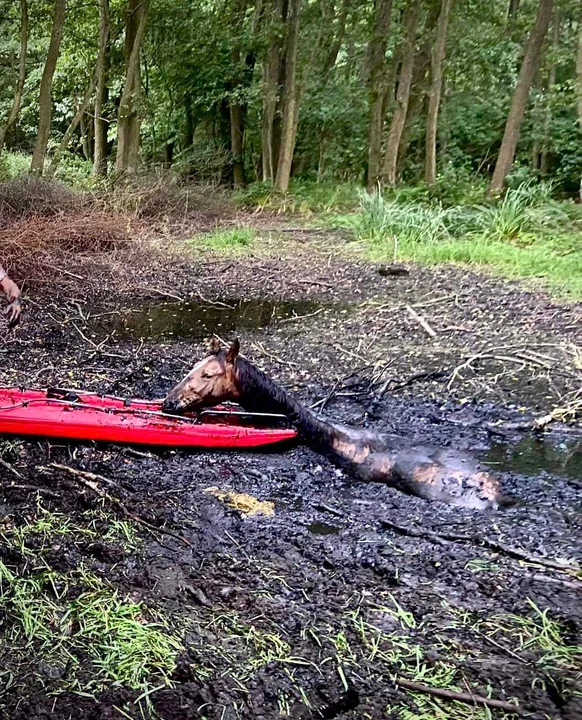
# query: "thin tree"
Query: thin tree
382,21
290,104
243,65
102,94
579,87
84,102
45,95
434,96
128,119
17,100
529,67
272,67
410,23
546,140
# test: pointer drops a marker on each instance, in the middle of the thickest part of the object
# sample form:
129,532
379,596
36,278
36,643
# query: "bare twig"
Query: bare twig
514,553
277,359
470,698
421,321
87,479
10,468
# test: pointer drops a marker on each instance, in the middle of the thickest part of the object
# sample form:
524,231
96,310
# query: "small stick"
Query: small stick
9,467
421,321
65,272
265,352
485,542
46,491
87,479
460,696
163,293
301,317
217,303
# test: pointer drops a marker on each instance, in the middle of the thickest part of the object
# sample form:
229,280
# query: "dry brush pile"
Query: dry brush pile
45,225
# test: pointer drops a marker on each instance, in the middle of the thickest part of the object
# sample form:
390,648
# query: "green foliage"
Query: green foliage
76,172
198,58
103,638
231,241
13,164
525,234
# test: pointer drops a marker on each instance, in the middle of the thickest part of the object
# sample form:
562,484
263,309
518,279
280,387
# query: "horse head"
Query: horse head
211,381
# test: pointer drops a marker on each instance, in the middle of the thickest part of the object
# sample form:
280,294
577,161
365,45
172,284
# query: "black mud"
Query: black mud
313,612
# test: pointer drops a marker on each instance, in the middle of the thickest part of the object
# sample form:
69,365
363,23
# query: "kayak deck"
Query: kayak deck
77,415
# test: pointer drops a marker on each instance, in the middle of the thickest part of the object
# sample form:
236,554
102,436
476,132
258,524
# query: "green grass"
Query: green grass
526,234
230,241
78,622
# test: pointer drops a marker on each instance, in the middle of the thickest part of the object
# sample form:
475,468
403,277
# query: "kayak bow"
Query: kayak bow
77,415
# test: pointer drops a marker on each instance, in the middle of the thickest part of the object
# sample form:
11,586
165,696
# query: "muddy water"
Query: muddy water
198,319
532,455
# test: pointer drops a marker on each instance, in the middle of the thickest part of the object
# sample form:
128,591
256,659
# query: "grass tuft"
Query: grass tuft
77,621
230,241
526,234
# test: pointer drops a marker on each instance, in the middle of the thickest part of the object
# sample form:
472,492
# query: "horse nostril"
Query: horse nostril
169,406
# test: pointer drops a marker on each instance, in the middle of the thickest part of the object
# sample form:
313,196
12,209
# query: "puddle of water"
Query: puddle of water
198,319
535,454
320,528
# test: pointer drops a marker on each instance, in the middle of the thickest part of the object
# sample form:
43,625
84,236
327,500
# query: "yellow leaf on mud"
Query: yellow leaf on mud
241,502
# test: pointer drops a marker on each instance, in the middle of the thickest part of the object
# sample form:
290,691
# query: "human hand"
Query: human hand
12,312
10,289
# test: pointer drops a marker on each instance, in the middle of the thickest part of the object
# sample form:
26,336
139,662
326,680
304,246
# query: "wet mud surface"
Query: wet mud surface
316,611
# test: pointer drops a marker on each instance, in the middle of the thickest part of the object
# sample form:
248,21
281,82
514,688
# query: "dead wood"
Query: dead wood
459,696
443,538
89,480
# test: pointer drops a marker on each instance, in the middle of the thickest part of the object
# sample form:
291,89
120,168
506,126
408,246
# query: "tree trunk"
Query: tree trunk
45,95
128,120
336,40
579,87
101,123
410,23
417,105
16,102
243,75
86,99
512,9
271,76
434,98
237,144
529,67
546,140
377,67
290,106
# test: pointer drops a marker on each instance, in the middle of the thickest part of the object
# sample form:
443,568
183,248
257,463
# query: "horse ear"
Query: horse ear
232,352
213,345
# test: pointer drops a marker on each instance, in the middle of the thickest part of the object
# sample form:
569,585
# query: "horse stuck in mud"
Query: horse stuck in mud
431,473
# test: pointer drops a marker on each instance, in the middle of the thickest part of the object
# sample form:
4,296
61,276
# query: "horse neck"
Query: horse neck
258,393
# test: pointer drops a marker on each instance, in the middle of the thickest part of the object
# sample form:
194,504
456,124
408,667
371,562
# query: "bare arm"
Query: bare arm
11,292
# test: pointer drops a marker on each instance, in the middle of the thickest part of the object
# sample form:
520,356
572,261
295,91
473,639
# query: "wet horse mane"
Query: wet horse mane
258,393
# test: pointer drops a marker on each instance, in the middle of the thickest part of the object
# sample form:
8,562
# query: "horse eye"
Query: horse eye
206,376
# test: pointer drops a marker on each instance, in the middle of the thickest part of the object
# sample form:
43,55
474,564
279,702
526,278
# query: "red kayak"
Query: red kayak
78,415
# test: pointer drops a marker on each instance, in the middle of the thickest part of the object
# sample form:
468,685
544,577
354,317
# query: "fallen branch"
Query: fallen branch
459,696
9,467
421,321
441,539
87,479
46,491
276,358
